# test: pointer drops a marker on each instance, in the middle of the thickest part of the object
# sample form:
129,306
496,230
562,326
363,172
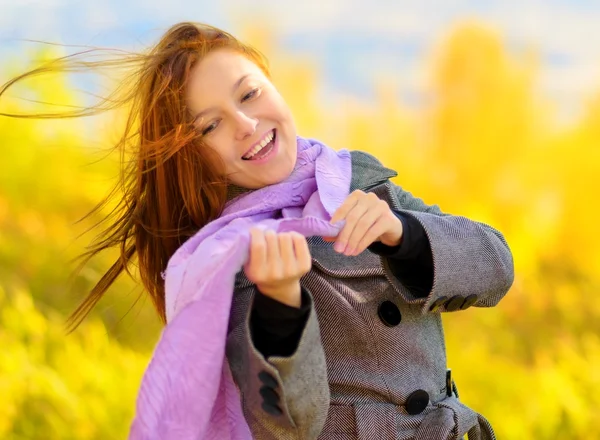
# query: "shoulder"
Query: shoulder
367,170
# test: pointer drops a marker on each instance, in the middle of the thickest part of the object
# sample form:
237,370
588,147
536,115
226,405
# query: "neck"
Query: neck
233,191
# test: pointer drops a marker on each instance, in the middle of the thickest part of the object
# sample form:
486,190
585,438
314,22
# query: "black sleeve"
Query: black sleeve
275,327
411,261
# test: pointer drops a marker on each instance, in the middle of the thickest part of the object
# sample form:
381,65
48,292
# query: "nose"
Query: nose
245,125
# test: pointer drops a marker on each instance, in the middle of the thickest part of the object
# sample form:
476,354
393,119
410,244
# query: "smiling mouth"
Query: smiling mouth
263,148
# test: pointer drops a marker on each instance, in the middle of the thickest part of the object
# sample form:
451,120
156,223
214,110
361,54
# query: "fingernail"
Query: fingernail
339,246
348,252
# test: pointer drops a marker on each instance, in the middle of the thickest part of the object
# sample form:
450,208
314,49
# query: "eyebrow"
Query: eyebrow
234,88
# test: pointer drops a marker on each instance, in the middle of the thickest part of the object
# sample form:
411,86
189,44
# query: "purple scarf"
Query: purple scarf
187,392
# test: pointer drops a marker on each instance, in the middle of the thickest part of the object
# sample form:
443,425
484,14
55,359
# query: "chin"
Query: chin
278,177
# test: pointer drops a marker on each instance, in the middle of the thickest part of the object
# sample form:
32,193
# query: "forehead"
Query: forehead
218,71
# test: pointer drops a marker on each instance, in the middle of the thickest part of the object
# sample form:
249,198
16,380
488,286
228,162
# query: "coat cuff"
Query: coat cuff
287,397
472,265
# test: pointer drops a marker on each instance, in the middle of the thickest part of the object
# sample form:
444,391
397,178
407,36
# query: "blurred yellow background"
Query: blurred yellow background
486,144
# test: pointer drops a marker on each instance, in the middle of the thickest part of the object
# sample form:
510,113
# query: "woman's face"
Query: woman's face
243,118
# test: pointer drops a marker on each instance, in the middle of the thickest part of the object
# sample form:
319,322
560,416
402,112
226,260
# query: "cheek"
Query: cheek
283,109
278,105
222,145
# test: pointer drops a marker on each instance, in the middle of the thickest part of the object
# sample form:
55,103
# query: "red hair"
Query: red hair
173,185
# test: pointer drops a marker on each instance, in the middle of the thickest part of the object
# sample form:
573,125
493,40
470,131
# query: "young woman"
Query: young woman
331,335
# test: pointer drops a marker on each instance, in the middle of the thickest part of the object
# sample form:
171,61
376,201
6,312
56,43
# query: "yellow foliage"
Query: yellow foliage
55,386
485,145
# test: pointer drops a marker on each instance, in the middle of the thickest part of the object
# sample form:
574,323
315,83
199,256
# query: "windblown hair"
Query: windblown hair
171,184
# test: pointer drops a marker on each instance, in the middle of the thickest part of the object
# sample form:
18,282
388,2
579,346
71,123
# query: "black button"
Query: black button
469,301
417,402
455,303
435,306
267,379
274,410
389,313
269,395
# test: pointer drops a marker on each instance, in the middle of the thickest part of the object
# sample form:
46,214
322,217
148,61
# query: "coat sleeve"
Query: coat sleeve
472,263
282,397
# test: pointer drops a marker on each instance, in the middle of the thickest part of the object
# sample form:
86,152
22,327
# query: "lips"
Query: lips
258,146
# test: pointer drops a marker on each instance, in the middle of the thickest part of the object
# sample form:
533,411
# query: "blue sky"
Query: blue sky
337,33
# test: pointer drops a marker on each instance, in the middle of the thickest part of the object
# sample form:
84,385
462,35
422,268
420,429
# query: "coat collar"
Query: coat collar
367,171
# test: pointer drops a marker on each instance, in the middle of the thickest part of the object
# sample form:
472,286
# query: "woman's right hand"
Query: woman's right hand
276,263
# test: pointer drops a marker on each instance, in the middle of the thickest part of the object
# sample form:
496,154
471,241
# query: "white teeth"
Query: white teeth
268,138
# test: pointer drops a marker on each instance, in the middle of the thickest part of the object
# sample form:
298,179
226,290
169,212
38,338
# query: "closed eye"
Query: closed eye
208,129
251,94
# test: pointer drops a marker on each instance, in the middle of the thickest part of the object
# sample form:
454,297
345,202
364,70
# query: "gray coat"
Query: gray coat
357,372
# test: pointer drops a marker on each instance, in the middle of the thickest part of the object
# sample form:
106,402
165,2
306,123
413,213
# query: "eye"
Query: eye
208,129
251,94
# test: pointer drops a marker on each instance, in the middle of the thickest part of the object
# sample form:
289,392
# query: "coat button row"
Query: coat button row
269,395
457,302
416,402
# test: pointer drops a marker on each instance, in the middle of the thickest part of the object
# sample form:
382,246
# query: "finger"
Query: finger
346,206
288,256
258,250
374,232
366,204
361,228
352,219
273,254
303,257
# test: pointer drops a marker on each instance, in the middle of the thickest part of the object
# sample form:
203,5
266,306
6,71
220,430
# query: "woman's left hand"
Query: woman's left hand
368,219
